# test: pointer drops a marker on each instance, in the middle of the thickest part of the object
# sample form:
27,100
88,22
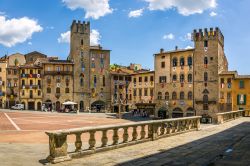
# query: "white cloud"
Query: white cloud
187,37
184,7
15,30
29,43
135,13
169,36
50,27
95,37
2,13
189,47
212,14
93,8
64,37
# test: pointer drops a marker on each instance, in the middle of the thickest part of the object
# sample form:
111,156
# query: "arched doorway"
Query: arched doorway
98,106
58,105
163,113
190,111
39,106
81,106
177,113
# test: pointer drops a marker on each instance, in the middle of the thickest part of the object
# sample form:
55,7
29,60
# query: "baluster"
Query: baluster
78,142
104,138
189,124
92,140
168,126
115,136
134,134
162,129
125,135
143,133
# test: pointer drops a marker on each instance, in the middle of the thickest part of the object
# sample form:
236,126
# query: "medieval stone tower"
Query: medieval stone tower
209,60
91,70
80,55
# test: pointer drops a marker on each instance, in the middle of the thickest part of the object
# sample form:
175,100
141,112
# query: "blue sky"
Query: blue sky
133,29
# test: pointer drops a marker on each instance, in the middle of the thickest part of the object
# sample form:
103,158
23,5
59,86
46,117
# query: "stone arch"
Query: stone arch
24,104
98,105
190,111
163,113
177,113
39,106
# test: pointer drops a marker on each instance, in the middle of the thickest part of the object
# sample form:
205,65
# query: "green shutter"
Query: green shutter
245,99
238,99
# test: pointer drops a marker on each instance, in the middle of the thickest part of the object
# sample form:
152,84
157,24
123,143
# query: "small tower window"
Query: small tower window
190,61
182,78
166,96
174,77
205,76
174,96
205,43
190,95
205,60
182,96
82,42
190,78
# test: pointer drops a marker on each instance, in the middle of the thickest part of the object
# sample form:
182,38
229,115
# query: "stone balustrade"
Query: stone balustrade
228,116
115,136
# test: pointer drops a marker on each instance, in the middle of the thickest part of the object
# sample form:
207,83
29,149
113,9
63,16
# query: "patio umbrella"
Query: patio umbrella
69,103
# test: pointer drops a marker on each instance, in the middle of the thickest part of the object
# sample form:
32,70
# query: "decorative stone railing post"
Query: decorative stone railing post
198,123
125,135
115,137
227,116
78,142
143,133
247,113
104,138
134,134
92,140
58,148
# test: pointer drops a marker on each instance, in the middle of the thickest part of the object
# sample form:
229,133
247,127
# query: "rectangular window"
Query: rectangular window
162,79
140,92
222,80
31,71
151,78
103,81
162,64
205,43
145,79
151,92
140,79
241,84
23,82
145,92
229,98
134,92
58,68
134,80
241,99
39,72
221,95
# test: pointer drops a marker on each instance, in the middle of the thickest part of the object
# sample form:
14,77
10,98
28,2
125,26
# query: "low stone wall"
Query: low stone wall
228,116
122,135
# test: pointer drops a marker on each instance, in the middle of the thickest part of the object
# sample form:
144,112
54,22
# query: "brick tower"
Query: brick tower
209,60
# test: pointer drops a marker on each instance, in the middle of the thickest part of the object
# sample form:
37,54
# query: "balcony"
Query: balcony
58,73
30,75
31,86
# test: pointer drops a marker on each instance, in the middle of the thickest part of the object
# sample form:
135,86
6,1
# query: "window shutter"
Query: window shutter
238,99
245,99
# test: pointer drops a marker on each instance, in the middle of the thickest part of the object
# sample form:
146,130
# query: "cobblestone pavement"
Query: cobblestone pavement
226,144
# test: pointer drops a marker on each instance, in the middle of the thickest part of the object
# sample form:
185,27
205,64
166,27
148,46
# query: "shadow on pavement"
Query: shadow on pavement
230,147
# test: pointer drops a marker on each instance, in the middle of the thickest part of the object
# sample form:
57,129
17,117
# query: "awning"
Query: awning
69,103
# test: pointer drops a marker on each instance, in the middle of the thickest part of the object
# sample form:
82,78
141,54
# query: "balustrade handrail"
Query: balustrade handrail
106,127
229,112
149,131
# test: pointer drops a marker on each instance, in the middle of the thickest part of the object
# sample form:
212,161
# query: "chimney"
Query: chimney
161,50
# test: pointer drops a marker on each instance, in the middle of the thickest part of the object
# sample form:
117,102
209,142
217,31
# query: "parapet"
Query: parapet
80,27
205,34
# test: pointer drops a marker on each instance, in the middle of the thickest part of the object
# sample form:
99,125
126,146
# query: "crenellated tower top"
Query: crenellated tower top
80,27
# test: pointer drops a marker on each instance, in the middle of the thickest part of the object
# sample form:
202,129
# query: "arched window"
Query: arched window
190,78
81,82
175,62
205,76
57,90
66,90
182,61
182,78
174,96
174,77
166,96
205,102
159,95
182,95
205,60
48,90
190,95
190,61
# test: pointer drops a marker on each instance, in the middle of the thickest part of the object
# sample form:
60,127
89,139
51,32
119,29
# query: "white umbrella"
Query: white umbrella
69,103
